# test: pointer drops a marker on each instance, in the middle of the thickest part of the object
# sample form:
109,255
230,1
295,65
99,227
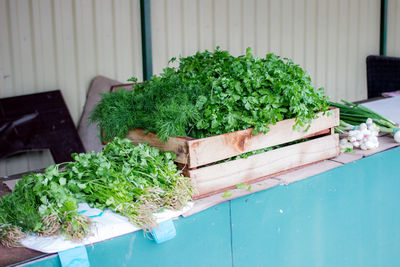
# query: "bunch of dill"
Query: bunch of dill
212,93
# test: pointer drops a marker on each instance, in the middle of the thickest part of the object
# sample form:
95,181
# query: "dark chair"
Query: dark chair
35,122
383,75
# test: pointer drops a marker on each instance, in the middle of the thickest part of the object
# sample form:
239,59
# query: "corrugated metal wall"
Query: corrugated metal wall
393,28
330,39
23,162
63,44
50,44
46,44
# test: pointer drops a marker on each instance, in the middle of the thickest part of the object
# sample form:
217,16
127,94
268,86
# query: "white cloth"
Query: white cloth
106,226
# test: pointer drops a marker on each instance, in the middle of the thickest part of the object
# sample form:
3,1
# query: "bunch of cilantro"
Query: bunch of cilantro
41,203
135,181
212,93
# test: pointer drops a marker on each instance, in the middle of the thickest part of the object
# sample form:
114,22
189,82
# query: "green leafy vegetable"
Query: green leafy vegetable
348,150
211,93
40,204
241,186
354,114
135,181
227,194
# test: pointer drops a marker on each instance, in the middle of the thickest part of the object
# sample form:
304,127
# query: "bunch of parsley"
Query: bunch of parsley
135,181
213,93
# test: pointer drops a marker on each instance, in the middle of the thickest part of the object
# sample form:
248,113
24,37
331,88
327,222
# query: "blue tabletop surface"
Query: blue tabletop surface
347,216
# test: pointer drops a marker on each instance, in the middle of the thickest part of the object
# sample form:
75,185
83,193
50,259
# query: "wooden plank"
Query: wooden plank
345,158
178,145
215,148
255,181
125,86
219,176
290,176
385,142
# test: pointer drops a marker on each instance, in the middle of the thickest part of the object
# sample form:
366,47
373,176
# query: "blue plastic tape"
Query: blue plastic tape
92,216
74,257
164,232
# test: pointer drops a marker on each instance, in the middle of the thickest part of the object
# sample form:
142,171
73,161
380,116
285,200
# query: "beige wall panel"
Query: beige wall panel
329,38
275,27
48,45
159,30
29,161
5,50
286,13
174,44
310,44
249,22
189,27
393,28
261,19
299,30
221,33
206,17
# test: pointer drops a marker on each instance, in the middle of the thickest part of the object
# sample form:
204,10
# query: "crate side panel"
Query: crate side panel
220,176
211,149
178,145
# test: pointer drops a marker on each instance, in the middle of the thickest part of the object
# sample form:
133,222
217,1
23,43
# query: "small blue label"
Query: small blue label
74,257
164,232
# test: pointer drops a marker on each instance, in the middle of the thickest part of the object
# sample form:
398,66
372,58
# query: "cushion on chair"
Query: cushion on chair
88,131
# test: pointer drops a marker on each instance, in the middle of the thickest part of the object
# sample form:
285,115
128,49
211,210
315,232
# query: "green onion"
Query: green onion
353,114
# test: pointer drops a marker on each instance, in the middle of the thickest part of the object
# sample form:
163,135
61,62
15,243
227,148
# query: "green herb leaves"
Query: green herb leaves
135,181
211,93
123,177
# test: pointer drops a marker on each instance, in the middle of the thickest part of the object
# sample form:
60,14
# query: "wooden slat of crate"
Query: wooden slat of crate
176,144
212,149
218,177
215,148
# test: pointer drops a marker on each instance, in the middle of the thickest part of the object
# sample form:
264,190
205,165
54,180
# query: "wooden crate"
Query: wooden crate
200,156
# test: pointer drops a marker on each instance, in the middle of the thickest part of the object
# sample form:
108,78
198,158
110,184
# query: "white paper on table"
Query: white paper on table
387,107
106,226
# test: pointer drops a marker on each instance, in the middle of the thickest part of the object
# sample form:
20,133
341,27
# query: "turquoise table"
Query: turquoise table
347,216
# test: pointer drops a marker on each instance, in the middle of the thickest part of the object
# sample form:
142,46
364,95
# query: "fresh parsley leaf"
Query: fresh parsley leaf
227,194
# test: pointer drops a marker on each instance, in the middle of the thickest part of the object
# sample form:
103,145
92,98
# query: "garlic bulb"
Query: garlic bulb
397,136
364,136
345,146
